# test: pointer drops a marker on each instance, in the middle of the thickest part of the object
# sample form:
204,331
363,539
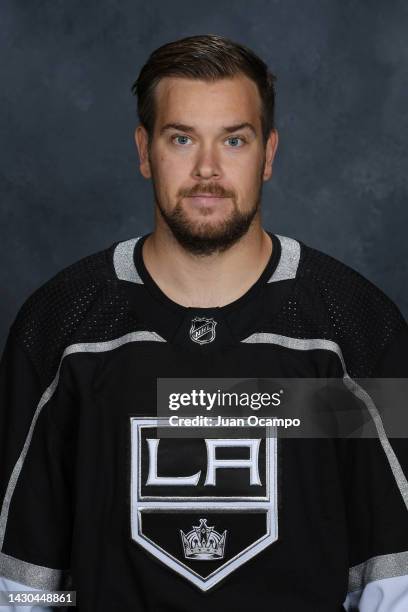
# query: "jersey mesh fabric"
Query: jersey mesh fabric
332,301
82,303
86,303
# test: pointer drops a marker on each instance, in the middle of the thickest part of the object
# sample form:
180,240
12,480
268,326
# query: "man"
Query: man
93,499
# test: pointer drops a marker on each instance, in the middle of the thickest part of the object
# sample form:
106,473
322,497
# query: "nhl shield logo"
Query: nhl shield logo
203,507
202,330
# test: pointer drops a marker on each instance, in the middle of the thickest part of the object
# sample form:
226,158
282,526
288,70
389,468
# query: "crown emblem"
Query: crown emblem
203,543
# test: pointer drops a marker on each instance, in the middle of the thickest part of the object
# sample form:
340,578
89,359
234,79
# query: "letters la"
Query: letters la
203,507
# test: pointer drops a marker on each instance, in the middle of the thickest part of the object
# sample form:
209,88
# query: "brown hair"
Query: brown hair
207,57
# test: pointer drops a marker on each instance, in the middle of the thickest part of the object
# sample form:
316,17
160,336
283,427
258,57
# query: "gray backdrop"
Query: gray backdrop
70,183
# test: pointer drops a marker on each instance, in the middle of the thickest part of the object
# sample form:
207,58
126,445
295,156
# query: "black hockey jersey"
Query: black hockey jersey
93,500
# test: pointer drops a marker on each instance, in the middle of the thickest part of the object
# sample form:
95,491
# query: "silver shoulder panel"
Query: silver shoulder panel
124,263
289,260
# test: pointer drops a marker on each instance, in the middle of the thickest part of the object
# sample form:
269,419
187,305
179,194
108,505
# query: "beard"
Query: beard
200,238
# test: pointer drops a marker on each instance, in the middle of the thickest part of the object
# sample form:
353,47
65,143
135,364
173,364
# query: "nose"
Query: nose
207,164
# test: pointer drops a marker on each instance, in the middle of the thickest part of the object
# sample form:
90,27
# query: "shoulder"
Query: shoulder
62,309
344,290
342,305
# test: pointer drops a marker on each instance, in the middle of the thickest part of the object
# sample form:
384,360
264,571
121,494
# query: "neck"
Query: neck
210,281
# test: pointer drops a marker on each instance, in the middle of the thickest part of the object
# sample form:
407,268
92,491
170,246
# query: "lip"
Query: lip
205,199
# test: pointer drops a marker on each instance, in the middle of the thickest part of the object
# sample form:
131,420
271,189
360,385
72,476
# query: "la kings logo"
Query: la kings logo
203,507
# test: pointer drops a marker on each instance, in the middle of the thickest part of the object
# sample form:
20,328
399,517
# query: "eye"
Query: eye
182,137
234,139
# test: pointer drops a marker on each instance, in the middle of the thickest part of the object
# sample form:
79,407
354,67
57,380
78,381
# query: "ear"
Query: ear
142,141
271,146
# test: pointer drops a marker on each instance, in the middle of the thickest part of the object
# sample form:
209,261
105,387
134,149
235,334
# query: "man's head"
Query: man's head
206,108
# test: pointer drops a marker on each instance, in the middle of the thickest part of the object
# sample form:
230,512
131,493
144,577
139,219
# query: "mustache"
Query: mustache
215,190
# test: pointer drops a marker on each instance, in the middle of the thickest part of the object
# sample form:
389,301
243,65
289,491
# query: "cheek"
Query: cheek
164,169
168,165
169,177
243,173
246,162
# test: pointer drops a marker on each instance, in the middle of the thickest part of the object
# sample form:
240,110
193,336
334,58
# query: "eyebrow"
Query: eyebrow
188,128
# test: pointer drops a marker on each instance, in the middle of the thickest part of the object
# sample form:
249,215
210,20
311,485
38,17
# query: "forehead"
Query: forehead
207,103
